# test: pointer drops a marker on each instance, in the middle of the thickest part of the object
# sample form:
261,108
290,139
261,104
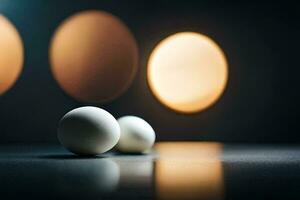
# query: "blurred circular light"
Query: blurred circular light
11,54
187,72
93,56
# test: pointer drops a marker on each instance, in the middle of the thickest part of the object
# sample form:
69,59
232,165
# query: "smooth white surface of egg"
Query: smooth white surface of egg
137,136
88,131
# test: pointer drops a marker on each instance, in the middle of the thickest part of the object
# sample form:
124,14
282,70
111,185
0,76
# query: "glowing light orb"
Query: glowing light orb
187,72
93,56
11,55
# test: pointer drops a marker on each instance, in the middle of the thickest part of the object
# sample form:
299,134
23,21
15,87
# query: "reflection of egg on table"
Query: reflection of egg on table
88,130
136,135
100,176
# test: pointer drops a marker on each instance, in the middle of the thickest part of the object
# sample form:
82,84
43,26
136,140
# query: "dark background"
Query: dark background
260,40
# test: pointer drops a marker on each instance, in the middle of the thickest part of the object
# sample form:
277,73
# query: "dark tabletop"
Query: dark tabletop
172,170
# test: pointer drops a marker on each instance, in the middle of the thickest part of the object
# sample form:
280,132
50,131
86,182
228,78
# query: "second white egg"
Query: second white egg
137,135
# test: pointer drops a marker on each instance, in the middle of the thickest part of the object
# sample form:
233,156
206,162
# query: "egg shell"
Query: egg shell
137,136
88,131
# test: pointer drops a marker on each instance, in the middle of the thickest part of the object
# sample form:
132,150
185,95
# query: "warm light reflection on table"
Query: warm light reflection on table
189,171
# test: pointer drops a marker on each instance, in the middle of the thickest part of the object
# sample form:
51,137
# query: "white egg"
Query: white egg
88,131
137,135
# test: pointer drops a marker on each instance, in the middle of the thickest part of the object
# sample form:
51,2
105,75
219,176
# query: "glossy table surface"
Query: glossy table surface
172,170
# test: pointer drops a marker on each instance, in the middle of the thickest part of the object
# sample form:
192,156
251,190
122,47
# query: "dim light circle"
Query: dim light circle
187,72
11,54
93,56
